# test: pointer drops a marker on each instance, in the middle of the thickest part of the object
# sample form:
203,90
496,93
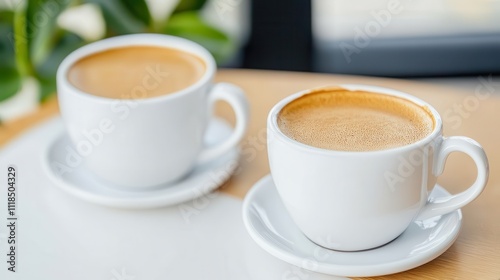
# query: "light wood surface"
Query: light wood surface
476,253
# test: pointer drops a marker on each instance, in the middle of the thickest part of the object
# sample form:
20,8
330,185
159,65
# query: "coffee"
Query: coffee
343,120
136,72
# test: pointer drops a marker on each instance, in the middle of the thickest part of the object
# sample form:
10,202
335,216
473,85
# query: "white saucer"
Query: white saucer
269,224
202,180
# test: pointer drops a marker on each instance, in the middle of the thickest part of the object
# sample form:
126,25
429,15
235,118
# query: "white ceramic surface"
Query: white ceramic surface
62,237
147,141
270,225
360,200
81,183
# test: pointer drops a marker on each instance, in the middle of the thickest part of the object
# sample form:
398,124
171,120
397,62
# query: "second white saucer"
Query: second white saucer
269,224
202,179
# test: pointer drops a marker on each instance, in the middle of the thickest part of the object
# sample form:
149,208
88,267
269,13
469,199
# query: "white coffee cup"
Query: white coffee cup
361,200
147,142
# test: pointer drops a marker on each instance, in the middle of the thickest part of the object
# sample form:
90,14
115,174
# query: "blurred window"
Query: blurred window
407,37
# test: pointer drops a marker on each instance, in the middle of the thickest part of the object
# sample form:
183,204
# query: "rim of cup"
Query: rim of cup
272,120
123,41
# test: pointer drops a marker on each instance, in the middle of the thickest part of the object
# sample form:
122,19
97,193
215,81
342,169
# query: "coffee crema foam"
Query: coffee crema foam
136,72
343,120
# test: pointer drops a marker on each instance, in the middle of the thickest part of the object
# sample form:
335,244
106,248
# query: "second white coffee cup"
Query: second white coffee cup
348,200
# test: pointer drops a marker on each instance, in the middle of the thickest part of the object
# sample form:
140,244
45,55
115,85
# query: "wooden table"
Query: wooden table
476,253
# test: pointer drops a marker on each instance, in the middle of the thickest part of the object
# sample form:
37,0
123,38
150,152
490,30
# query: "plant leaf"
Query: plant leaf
41,16
7,55
190,26
47,88
119,20
189,5
20,41
47,71
139,9
66,43
10,82
6,16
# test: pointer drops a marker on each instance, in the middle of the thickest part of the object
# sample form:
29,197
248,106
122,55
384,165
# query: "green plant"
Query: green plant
33,45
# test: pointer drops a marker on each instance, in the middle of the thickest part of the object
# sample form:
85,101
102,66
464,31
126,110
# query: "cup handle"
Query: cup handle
237,100
443,205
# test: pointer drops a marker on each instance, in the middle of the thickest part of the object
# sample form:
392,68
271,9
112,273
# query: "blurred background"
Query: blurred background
448,42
